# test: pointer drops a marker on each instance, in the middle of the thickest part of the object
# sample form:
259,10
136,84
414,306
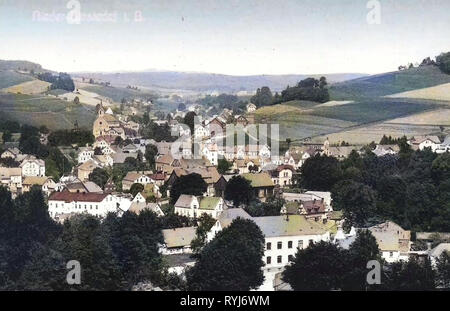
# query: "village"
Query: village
305,216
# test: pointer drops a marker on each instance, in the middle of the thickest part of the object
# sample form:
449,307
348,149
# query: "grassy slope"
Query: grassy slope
115,93
40,110
9,78
389,83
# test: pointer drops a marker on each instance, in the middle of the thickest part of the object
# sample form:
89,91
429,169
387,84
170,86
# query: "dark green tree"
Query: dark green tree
321,266
99,176
231,261
188,184
238,190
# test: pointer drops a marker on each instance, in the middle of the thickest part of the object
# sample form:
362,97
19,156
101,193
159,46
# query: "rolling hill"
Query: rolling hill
206,82
389,83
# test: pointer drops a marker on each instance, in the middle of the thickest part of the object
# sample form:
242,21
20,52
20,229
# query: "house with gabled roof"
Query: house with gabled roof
177,240
261,184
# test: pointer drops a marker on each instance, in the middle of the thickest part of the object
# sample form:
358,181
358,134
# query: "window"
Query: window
279,245
311,242
269,246
391,254
268,260
279,259
291,258
300,244
290,244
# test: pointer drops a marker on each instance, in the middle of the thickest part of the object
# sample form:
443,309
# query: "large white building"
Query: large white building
284,235
32,167
97,204
193,207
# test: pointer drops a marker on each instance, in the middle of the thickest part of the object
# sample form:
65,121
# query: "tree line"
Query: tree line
411,188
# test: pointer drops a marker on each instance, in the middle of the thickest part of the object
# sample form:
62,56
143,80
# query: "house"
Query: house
313,210
422,142
393,241
135,178
85,154
187,205
11,178
284,235
12,153
323,196
382,150
178,240
282,175
85,169
97,204
32,167
137,208
217,126
200,131
251,108
30,181
212,206
241,120
261,183
219,186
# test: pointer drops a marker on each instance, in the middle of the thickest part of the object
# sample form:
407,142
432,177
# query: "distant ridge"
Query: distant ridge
208,82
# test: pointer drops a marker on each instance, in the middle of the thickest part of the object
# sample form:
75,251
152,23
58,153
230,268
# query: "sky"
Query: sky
245,37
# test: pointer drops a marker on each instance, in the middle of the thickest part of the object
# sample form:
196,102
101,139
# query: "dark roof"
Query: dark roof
77,197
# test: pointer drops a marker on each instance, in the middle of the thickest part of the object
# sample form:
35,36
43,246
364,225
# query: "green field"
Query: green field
9,78
115,93
389,83
41,110
372,110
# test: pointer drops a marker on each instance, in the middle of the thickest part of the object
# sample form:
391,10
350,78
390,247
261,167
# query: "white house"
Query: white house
393,241
187,205
284,235
211,153
251,107
200,131
97,204
85,154
177,240
32,167
422,142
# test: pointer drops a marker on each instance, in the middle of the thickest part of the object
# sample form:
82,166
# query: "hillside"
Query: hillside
207,82
40,110
439,92
10,78
20,65
389,83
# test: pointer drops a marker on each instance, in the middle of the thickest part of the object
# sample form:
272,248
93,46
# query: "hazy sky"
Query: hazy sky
230,37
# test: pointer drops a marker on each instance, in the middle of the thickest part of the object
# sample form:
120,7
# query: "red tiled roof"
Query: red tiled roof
67,196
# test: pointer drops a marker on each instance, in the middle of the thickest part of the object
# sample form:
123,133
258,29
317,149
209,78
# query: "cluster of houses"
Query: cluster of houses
305,218
28,172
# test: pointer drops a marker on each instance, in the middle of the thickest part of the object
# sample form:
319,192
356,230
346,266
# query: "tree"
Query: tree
320,173
136,188
223,166
238,190
6,136
356,200
443,270
99,176
320,266
205,223
188,184
443,61
410,275
150,154
263,97
361,251
231,261
189,120
440,168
